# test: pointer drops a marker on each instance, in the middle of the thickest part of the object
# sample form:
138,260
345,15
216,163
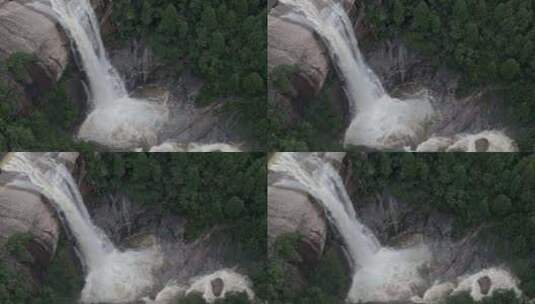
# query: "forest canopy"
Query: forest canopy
492,191
222,41
491,42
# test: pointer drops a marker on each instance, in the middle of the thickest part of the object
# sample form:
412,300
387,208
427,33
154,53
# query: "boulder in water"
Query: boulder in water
484,284
217,286
482,145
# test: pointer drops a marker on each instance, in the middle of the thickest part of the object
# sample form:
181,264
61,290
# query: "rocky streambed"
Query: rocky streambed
403,72
458,263
31,229
28,27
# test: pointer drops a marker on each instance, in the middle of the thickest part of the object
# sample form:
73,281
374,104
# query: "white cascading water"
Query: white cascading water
115,120
379,121
496,141
501,279
194,147
232,282
380,274
112,276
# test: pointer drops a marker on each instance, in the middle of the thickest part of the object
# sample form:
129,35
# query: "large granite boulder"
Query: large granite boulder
28,212
25,29
293,212
295,45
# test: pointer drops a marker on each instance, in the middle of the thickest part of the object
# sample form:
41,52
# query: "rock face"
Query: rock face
293,212
22,211
24,29
217,286
27,212
135,62
291,44
484,284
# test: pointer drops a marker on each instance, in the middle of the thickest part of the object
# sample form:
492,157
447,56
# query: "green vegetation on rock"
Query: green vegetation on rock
46,124
324,283
319,125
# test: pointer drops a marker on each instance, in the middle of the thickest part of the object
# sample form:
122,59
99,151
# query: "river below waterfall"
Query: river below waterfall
156,265
414,121
424,263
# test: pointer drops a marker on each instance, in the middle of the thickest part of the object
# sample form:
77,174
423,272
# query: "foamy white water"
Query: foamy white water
380,274
379,120
116,120
194,147
233,282
112,276
500,278
496,141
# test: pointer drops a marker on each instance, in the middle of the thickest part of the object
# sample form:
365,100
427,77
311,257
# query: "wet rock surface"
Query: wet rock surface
217,286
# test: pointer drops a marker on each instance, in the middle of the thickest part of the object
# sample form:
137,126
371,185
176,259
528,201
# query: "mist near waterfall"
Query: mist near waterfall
115,119
378,120
379,273
112,276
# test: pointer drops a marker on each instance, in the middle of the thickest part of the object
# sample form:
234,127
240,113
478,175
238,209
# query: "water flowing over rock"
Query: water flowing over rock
486,141
231,282
380,274
194,147
115,120
112,276
378,120
497,277
227,281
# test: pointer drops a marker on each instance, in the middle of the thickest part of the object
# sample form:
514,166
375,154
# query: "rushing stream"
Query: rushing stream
112,275
115,120
379,120
380,274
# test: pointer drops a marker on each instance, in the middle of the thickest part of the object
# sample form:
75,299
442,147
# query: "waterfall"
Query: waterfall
378,120
380,274
112,276
115,120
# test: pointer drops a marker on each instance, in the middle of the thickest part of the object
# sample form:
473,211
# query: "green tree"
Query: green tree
234,207
169,23
509,69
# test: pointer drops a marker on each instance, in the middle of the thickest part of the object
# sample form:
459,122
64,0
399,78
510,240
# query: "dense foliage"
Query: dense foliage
326,282
319,126
45,125
491,191
207,189
491,42
223,41
62,279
